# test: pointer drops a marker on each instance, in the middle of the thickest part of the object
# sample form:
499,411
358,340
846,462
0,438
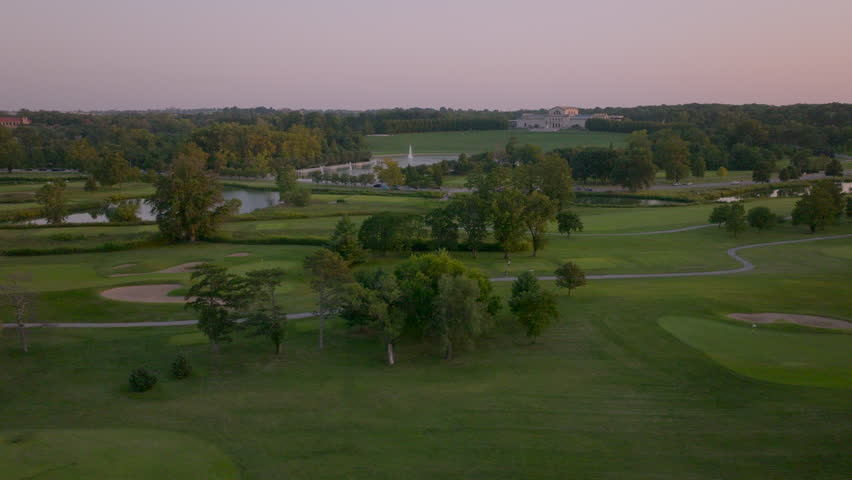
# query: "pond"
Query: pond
250,200
786,192
619,201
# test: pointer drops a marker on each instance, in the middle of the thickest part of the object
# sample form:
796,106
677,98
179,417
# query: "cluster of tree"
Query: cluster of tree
289,189
821,206
823,129
221,298
236,140
419,176
735,219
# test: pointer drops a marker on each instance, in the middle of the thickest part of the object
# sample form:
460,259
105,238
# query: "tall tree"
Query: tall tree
819,207
569,222
458,317
377,301
266,317
329,274
672,153
635,169
444,227
834,168
534,307
569,275
188,200
111,168
474,216
11,152
15,295
344,241
391,174
762,172
551,175
698,166
719,214
507,217
286,179
51,197
736,219
215,294
538,211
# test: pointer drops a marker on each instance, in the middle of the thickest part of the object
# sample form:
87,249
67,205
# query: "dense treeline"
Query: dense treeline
244,140
410,120
823,129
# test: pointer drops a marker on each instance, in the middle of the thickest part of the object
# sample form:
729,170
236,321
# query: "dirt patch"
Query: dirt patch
123,265
806,320
240,254
144,293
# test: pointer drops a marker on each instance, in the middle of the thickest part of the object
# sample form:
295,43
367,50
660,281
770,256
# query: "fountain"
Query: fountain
410,155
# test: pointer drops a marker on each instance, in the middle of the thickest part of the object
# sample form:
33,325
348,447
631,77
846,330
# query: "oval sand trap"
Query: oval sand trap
806,320
144,293
123,265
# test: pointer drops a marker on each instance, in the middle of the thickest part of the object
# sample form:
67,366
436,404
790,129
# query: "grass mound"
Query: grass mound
796,358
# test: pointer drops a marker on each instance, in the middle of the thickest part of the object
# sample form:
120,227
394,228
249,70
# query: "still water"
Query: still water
250,200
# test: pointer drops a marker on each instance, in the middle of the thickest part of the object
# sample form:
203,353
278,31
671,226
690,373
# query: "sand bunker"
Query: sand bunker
123,265
240,254
182,268
144,293
806,320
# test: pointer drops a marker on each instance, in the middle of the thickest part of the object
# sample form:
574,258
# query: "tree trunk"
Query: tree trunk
214,346
390,354
448,355
322,331
278,348
22,335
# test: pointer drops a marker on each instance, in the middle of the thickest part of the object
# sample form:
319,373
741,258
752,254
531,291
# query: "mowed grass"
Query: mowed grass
605,393
796,358
131,454
489,140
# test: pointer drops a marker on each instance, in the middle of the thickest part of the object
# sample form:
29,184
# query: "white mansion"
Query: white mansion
558,118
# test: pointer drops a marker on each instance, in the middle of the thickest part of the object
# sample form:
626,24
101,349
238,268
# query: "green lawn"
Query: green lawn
610,392
488,140
123,453
796,358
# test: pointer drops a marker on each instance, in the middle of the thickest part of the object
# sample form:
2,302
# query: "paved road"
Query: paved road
732,252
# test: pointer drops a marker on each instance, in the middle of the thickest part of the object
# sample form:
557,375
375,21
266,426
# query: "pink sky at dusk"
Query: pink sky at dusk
114,54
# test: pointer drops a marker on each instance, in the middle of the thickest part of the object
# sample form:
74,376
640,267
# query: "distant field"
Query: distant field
488,140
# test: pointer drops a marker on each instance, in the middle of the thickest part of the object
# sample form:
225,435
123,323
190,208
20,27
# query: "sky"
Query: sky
364,54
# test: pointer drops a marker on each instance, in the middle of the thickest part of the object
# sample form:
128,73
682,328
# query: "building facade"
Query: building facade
13,122
557,118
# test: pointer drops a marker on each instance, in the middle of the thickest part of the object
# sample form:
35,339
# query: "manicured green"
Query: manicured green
488,140
796,358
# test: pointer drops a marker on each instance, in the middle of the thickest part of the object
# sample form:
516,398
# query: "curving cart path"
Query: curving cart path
732,252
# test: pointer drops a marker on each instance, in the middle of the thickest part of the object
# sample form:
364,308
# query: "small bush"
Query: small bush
142,380
181,367
341,200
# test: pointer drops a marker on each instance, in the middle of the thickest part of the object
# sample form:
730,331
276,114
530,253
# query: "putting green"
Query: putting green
814,359
110,454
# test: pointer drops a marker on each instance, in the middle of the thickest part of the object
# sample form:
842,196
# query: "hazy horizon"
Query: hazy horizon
100,55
